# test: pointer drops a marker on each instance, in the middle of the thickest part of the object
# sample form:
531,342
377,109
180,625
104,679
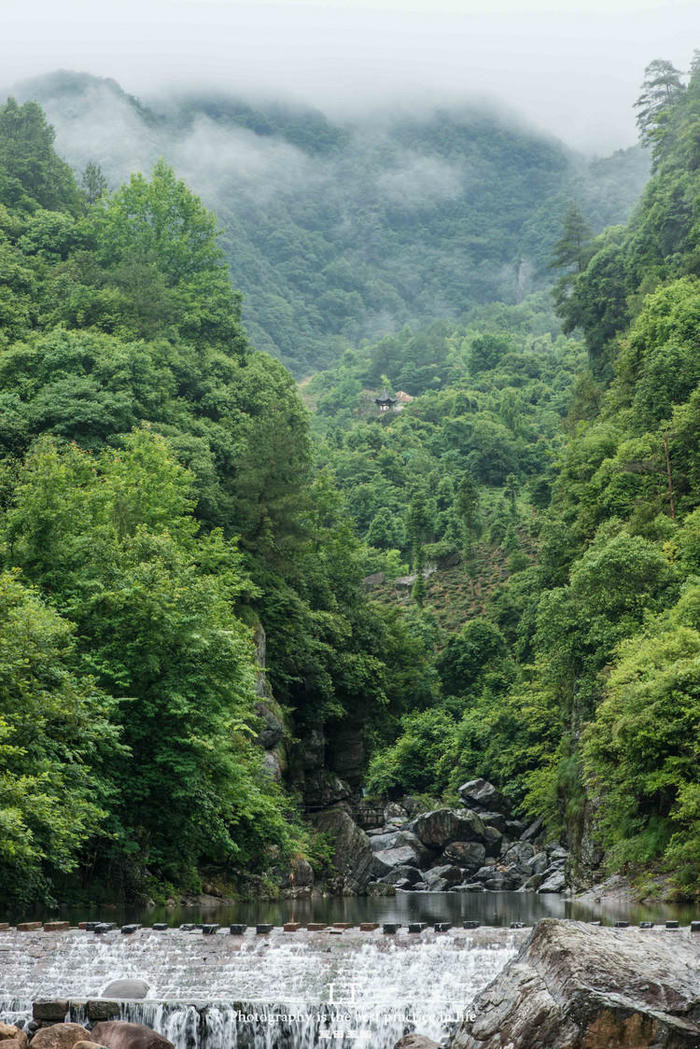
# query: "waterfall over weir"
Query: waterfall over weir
283,991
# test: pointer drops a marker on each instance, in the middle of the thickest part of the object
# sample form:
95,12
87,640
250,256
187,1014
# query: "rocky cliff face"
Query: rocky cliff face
576,986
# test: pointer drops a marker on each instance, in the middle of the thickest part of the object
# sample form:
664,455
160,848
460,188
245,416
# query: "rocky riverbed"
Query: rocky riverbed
474,848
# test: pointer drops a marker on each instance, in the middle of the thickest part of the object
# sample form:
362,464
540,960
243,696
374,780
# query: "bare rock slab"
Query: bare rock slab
576,986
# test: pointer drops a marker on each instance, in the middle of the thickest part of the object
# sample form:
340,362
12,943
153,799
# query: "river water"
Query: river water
489,908
303,990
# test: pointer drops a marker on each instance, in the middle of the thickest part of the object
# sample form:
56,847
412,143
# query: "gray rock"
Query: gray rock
502,881
383,840
347,753
134,989
422,856
481,795
387,859
352,852
531,883
301,874
533,830
324,788
520,856
410,874
272,765
313,749
471,886
557,852
575,986
494,819
514,829
271,729
493,841
394,811
380,888
555,881
440,827
539,863
496,878
467,854
446,874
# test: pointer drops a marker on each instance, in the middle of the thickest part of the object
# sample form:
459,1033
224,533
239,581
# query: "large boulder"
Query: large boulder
400,839
118,1034
496,878
467,854
61,1036
400,875
440,878
481,795
10,1033
352,852
387,859
387,840
519,855
555,881
493,841
125,989
494,819
577,986
440,827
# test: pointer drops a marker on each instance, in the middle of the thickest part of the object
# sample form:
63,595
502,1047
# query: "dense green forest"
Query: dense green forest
336,232
158,500
165,492
574,683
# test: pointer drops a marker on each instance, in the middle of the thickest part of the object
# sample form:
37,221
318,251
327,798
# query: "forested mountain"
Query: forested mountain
574,685
158,503
338,232
167,499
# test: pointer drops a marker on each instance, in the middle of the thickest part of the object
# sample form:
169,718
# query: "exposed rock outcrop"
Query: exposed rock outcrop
353,855
575,986
464,850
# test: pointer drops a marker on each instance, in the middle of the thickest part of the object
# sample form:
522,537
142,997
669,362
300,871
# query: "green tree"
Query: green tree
661,88
31,173
56,746
113,540
93,182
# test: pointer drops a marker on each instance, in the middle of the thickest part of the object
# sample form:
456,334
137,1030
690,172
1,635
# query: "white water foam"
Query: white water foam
283,991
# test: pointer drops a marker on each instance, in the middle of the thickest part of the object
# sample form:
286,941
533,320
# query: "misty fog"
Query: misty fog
570,67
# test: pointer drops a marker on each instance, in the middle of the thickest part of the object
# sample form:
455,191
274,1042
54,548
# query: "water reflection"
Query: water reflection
489,908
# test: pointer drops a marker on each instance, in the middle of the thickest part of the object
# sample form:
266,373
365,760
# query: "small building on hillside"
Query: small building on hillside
385,402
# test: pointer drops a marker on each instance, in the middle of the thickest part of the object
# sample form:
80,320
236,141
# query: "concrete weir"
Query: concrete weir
250,991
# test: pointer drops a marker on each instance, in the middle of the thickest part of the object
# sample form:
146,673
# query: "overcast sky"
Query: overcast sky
572,67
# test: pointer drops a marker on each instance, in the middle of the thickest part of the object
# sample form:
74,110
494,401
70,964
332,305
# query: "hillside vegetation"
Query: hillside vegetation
167,499
336,232
574,683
